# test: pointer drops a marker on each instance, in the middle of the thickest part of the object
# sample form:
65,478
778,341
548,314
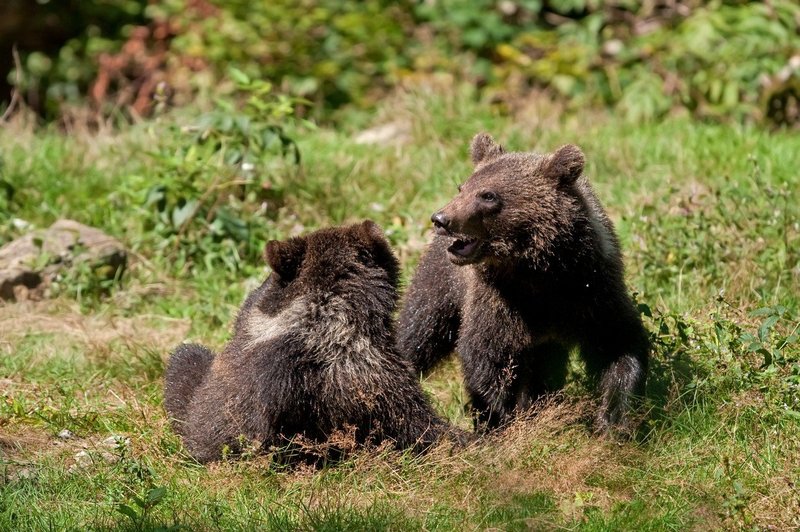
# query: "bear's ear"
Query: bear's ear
371,231
566,164
285,256
484,149
373,235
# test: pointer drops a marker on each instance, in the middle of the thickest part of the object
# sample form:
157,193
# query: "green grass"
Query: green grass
709,221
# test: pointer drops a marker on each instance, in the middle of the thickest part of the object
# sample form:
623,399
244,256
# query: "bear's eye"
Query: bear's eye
489,197
459,188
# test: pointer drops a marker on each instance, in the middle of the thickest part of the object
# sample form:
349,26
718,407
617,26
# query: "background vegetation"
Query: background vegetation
194,131
723,59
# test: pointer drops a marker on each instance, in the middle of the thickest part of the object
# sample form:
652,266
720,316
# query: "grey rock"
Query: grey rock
83,458
66,434
117,442
25,473
31,262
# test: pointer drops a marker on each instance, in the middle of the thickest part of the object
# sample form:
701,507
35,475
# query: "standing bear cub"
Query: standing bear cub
313,353
525,265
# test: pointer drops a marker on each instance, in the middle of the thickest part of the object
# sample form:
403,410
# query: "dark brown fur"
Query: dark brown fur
312,354
525,266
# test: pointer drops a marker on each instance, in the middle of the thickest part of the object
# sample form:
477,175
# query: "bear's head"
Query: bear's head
514,206
353,263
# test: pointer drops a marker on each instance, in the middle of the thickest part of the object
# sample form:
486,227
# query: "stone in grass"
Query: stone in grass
66,434
26,473
108,451
30,263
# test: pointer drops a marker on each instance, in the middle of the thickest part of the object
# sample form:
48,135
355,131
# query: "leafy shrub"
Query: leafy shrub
711,58
731,356
220,177
719,59
61,43
328,51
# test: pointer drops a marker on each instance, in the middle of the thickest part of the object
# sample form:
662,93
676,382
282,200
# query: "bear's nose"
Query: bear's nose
440,222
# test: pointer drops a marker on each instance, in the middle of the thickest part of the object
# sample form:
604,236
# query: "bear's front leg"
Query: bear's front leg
429,320
490,379
492,343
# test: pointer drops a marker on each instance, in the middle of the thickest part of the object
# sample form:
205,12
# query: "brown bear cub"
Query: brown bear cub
313,353
525,265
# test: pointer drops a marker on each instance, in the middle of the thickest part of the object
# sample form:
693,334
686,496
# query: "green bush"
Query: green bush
715,59
328,51
718,59
216,179
60,43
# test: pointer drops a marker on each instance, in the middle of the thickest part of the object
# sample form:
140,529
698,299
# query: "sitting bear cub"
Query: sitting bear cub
312,353
525,265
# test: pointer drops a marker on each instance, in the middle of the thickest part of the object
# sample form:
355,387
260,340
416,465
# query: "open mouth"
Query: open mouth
464,248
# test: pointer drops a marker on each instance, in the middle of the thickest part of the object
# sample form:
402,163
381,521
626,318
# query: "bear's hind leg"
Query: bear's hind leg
186,369
620,383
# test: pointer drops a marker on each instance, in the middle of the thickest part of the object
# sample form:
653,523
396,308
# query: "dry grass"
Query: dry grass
778,508
67,327
550,451
22,443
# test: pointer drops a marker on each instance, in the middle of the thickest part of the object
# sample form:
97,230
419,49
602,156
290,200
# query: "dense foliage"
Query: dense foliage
722,59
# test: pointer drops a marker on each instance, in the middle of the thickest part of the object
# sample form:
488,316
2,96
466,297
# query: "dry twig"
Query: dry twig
17,82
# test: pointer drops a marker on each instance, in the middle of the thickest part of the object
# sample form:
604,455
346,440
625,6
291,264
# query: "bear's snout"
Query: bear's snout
441,223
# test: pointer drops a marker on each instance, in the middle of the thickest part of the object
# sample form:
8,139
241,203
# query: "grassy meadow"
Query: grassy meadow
709,222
